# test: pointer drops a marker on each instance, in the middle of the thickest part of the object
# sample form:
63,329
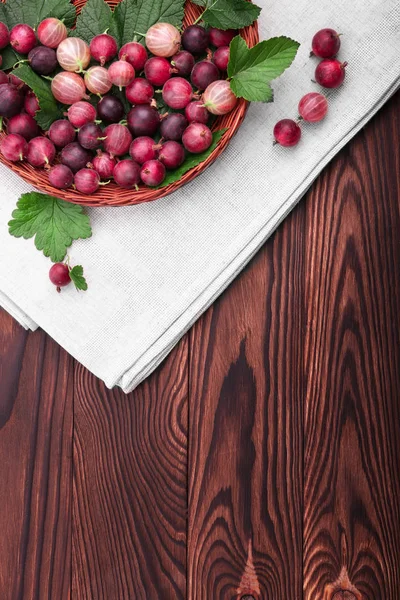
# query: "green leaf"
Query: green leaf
49,111
78,279
10,57
54,223
251,70
193,160
33,12
133,17
94,19
229,14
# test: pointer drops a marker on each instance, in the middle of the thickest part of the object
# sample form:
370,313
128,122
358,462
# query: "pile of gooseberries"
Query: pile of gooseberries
313,107
173,85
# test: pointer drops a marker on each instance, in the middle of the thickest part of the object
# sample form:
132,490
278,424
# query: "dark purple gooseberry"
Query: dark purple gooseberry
172,155
204,73
62,133
143,120
196,112
173,126
219,38
127,174
11,101
31,104
91,136
4,36
41,152
110,109
75,157
221,58
104,164
43,60
195,39
153,173
3,77
61,177
143,149
22,38
183,62
24,125
87,181
14,147
140,91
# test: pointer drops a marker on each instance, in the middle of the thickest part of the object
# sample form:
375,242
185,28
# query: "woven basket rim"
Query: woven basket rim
113,195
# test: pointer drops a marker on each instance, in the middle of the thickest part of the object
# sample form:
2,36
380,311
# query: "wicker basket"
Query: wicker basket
113,195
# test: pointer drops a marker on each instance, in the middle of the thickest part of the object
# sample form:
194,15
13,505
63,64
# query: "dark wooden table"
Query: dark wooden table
262,460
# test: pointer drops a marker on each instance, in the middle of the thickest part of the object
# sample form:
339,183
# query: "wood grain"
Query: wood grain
36,466
130,486
352,412
245,423
262,460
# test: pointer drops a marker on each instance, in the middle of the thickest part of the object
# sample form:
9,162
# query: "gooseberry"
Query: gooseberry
118,139
43,60
104,164
153,173
87,181
68,88
219,38
135,54
143,120
121,73
197,138
41,152
103,48
163,39
14,147
197,112
73,54
219,98
51,32
61,177
287,133
31,104
140,91
195,39
62,133
97,80
4,36
172,155
313,107
11,100
127,174
110,109
91,136
203,74
81,113
177,93
330,73
183,62
326,43
24,125
173,126
22,38
158,70
221,58
75,157
59,275
143,149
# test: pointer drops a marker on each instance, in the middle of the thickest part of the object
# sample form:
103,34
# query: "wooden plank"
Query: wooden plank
245,423
130,486
352,413
36,468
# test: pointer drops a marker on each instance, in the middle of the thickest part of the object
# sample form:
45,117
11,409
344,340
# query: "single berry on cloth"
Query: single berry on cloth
287,133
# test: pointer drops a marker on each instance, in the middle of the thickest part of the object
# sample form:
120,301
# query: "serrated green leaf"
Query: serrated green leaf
78,279
134,17
49,111
251,70
33,12
229,14
193,160
54,223
94,19
10,58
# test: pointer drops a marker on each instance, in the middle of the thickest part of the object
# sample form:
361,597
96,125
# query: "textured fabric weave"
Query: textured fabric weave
153,269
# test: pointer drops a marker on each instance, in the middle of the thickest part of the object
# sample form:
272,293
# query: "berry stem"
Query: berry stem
199,18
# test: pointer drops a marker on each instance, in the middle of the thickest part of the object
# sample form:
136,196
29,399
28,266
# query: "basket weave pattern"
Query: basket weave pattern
113,195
